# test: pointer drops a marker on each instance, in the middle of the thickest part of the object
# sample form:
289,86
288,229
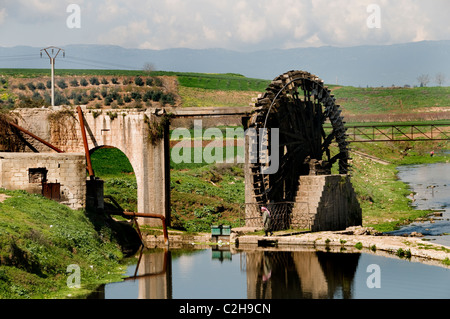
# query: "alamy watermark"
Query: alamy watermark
73,21
374,279
74,279
190,149
374,19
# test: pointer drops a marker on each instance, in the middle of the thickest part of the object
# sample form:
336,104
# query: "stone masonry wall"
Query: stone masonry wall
128,130
326,202
69,170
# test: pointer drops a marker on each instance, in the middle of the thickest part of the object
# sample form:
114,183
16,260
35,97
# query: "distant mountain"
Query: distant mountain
376,65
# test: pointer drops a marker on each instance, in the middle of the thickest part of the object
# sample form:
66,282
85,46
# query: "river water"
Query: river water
430,186
224,272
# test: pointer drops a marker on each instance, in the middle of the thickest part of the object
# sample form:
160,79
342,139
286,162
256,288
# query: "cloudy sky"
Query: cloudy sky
243,25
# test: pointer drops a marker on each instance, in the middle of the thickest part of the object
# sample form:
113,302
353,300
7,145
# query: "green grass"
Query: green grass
383,198
40,238
210,81
382,100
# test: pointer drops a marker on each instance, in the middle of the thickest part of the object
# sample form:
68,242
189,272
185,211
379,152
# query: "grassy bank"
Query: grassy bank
382,196
40,238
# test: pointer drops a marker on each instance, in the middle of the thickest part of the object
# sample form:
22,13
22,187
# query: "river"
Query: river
430,186
227,272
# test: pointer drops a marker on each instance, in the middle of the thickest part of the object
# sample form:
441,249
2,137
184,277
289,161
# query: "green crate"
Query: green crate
226,230
216,230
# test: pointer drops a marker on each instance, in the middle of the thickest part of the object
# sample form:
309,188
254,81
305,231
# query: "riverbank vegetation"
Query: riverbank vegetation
40,239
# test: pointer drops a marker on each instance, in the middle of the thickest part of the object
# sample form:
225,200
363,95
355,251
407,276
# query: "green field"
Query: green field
211,81
391,99
203,89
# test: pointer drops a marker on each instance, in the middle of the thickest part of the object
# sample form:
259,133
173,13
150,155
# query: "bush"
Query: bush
168,98
60,99
127,99
62,84
156,96
40,86
84,82
22,86
136,96
31,86
94,81
74,83
149,81
138,81
114,81
49,84
105,81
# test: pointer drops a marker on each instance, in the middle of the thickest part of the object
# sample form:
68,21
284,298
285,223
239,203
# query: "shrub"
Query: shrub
60,99
84,82
114,81
105,81
40,86
136,96
158,82
168,98
74,83
127,99
49,84
108,100
31,86
94,81
138,81
62,84
149,81
156,96
22,86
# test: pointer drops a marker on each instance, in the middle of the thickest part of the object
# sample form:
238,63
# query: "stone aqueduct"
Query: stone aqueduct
127,130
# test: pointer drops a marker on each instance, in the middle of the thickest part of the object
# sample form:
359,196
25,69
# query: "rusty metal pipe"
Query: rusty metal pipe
36,137
85,142
163,220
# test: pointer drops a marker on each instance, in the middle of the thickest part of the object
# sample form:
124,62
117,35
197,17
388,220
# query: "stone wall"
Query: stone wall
126,129
326,202
28,171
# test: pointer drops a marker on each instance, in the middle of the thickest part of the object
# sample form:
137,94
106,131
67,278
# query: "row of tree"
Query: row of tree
424,79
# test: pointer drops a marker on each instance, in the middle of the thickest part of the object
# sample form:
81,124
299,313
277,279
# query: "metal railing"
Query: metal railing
398,133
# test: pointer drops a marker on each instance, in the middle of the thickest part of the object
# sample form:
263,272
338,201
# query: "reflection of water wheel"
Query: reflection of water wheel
298,104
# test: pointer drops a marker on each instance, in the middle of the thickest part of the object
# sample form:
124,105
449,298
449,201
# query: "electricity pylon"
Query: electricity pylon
52,57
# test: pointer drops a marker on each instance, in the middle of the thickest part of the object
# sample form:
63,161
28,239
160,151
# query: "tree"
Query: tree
138,81
440,79
423,80
83,82
148,67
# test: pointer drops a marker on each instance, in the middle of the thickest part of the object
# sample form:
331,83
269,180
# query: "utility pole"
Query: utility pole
52,57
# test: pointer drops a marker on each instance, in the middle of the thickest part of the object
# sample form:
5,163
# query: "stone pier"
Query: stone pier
326,202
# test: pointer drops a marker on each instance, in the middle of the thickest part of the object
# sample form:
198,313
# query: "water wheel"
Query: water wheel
297,104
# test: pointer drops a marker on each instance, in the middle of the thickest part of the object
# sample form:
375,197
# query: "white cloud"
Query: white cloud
3,15
233,24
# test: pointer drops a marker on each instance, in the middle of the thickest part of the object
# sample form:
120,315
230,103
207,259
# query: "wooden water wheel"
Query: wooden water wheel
298,104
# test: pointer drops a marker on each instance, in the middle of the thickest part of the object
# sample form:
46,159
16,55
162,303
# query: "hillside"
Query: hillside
372,65
138,89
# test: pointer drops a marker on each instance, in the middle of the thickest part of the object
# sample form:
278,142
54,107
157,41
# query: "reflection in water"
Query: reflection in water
305,274
269,275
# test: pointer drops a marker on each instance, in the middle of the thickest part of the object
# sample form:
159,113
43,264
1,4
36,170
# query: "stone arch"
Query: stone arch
128,130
